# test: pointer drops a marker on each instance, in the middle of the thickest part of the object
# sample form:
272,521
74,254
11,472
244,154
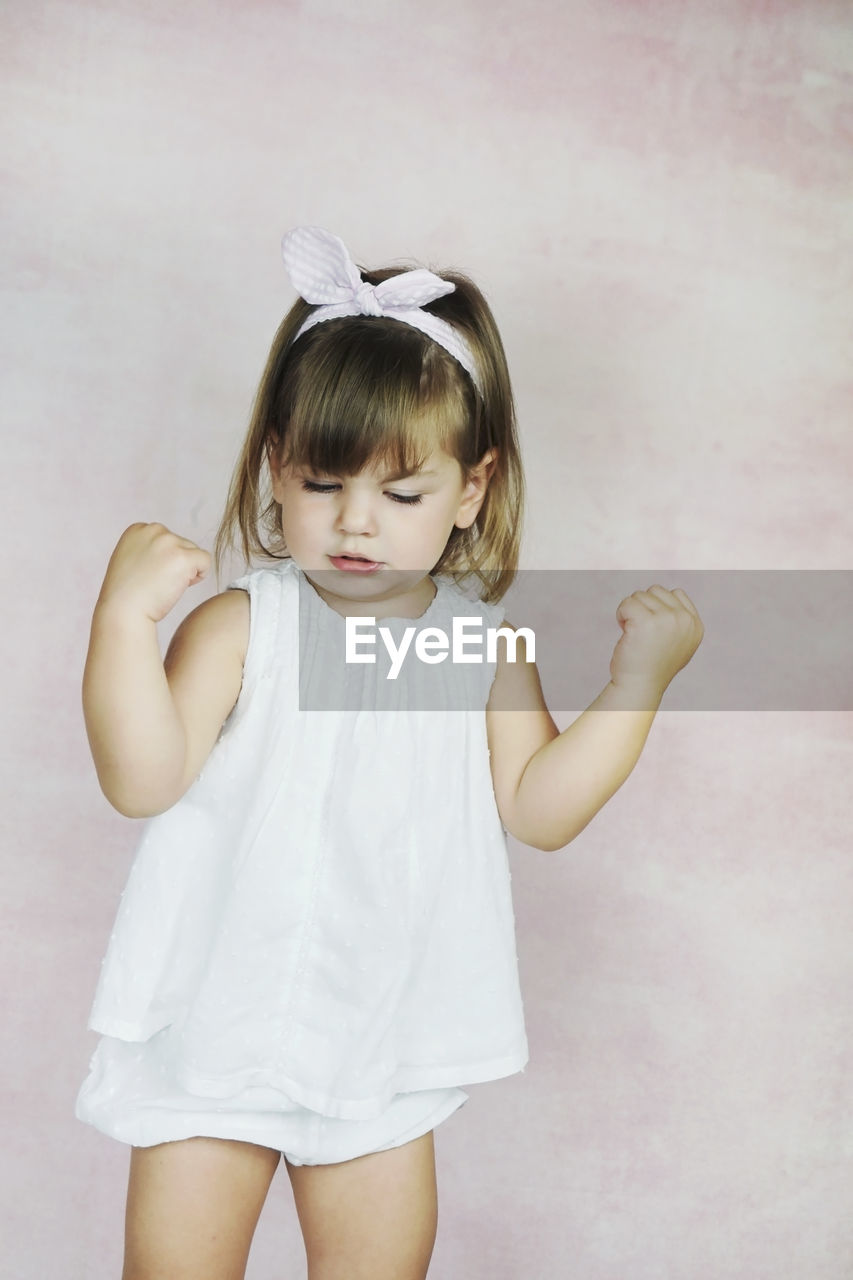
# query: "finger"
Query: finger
199,562
686,601
650,599
634,606
662,594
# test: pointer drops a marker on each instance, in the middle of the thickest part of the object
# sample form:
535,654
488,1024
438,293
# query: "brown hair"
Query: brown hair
368,388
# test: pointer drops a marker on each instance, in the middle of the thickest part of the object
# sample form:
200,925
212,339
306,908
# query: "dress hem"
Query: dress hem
405,1079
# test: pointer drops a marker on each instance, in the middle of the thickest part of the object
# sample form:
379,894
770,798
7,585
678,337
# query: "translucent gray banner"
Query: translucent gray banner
775,640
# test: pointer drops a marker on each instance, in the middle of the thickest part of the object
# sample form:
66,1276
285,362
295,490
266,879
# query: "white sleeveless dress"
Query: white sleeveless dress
321,930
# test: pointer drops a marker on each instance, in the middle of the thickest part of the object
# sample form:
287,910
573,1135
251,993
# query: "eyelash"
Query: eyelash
405,499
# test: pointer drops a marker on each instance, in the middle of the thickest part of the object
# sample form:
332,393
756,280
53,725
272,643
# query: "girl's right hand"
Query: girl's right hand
150,570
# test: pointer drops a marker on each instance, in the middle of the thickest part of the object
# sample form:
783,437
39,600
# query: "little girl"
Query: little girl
315,948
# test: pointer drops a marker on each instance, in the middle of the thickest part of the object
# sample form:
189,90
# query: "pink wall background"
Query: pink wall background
657,198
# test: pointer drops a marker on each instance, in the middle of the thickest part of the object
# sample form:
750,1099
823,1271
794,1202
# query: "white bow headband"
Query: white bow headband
323,273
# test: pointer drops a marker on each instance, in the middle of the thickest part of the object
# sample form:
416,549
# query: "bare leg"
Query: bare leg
192,1208
372,1218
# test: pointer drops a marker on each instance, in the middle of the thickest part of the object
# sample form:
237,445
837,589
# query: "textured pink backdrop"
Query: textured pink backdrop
657,198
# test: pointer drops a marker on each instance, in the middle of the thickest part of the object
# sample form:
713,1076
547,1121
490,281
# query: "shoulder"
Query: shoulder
204,668
220,623
227,616
516,686
227,612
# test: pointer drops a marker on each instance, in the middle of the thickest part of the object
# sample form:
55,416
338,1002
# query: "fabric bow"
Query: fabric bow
323,273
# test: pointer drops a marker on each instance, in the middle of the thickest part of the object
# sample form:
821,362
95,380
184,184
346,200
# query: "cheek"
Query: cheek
451,510
295,519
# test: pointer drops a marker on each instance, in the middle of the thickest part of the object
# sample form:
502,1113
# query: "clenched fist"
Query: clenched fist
150,570
661,631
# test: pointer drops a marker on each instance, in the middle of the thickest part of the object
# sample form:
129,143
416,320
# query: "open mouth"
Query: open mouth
355,564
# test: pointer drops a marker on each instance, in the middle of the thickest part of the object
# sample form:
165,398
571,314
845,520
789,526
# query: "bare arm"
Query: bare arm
549,785
151,725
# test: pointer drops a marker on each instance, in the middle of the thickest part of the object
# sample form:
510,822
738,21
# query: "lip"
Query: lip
352,565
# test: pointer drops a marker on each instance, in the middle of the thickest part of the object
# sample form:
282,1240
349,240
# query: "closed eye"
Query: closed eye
328,486
409,499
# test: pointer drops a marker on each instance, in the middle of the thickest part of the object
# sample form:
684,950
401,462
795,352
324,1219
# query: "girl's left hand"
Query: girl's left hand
661,631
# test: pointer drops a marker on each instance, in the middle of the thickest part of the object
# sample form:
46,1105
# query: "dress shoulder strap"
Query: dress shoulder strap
273,604
457,602
462,602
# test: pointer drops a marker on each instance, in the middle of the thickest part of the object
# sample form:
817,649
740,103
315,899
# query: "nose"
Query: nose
355,515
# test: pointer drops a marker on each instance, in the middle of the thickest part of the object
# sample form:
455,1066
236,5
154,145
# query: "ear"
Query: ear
475,490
